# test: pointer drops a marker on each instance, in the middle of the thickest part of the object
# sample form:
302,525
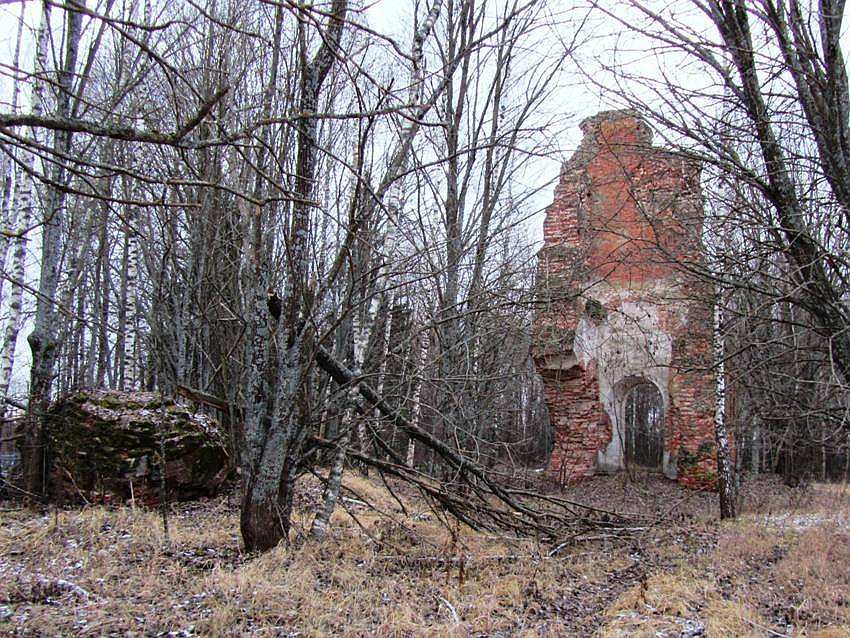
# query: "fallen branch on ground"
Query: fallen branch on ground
484,504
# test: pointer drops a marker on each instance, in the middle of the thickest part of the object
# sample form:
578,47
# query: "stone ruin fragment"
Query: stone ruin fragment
109,446
622,338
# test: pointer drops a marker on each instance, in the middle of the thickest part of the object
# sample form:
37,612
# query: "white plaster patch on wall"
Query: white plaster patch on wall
627,345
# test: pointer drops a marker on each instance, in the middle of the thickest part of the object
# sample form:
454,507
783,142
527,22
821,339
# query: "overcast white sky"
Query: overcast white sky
602,41
394,18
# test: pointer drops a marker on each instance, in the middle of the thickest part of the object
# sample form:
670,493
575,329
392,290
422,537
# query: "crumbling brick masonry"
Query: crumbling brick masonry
618,307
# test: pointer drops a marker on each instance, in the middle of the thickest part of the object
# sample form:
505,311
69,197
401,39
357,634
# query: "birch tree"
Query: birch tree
24,205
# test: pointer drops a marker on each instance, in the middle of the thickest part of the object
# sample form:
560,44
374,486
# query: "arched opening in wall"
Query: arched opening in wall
643,431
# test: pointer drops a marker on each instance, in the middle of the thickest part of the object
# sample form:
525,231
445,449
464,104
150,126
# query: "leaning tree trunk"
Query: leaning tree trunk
321,522
356,338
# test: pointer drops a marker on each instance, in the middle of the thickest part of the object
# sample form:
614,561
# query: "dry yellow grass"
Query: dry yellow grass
782,567
100,571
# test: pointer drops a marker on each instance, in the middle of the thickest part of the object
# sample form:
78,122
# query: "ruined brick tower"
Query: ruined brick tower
618,309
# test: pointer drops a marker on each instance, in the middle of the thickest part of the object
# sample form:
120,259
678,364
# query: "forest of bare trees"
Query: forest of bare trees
322,230
218,193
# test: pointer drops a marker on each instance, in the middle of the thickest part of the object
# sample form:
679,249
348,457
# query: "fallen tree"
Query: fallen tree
477,499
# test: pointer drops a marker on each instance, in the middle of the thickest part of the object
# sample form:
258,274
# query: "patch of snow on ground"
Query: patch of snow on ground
803,522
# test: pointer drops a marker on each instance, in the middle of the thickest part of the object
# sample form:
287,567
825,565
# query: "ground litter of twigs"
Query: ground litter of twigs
780,570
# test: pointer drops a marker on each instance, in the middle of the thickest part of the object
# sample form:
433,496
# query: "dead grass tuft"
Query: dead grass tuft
815,573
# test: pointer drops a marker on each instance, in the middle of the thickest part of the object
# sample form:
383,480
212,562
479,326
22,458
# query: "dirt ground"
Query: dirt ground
782,569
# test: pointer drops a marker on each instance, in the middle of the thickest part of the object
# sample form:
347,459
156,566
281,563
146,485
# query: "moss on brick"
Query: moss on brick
595,310
99,442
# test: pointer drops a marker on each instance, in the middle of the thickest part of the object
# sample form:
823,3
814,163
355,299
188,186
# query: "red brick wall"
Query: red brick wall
581,425
627,214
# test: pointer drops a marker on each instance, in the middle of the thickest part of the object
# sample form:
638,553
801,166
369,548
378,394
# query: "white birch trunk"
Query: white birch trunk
24,206
8,212
11,174
131,354
382,355
726,482
330,495
131,347
755,446
416,411
361,340
389,244
321,522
